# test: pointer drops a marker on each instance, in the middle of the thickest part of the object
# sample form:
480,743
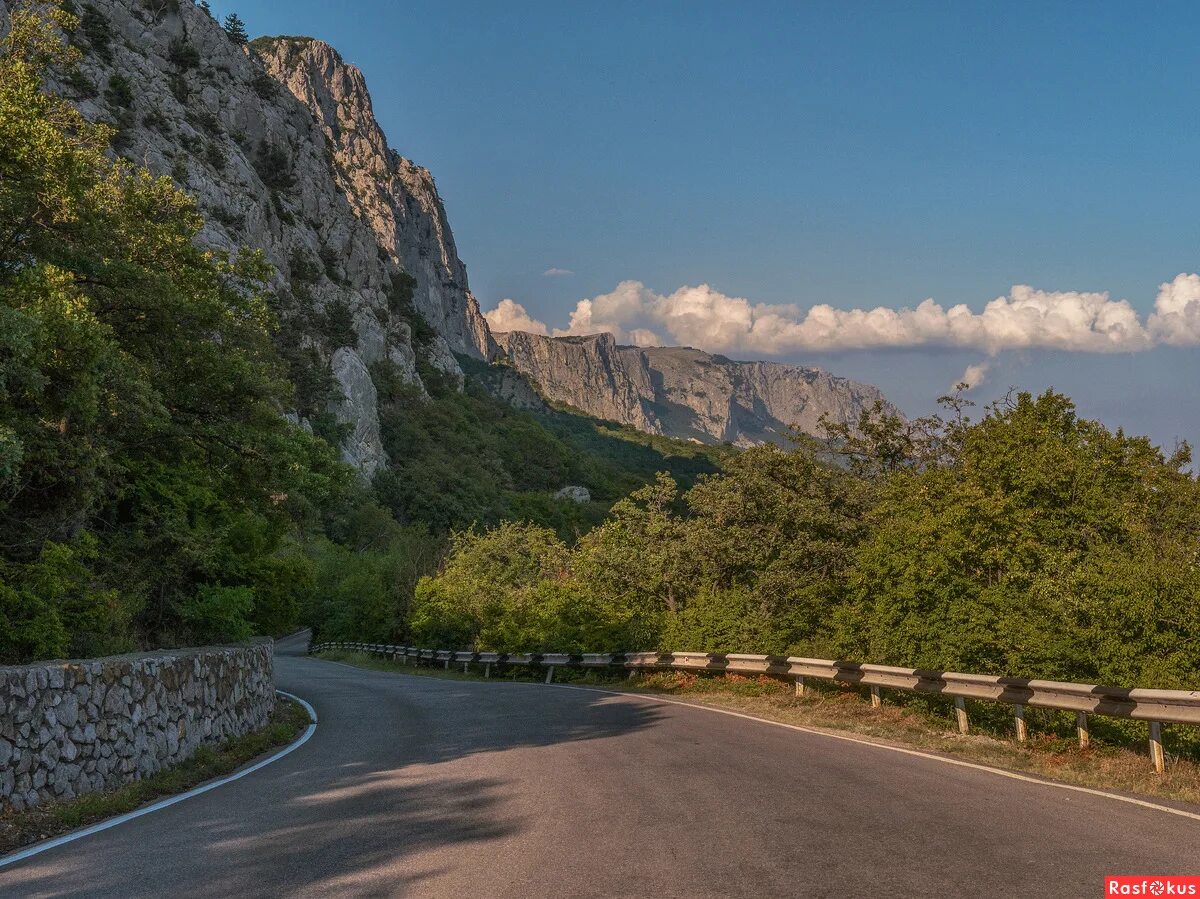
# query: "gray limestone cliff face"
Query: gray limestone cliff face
279,144
282,154
591,374
683,392
396,197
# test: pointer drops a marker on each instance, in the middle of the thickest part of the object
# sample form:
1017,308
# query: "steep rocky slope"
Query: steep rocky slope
278,142
394,195
682,392
280,148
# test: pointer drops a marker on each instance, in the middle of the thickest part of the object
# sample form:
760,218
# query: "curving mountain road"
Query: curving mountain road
424,787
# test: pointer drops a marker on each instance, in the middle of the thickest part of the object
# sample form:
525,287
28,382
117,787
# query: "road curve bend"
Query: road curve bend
425,787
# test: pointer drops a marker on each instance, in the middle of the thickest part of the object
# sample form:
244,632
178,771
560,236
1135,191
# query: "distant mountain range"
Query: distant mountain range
683,392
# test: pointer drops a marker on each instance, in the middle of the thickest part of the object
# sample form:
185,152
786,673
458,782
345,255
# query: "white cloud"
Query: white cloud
1025,318
511,316
974,376
644,337
1176,317
553,272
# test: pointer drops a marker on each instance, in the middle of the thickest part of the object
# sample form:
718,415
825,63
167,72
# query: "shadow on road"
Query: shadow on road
399,769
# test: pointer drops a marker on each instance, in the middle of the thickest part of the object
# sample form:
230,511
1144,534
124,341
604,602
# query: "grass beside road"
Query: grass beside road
1116,759
19,829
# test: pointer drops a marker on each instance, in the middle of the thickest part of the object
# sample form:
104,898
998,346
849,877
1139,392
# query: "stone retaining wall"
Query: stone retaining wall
72,727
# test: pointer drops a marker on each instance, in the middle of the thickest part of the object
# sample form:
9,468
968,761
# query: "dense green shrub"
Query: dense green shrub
510,590
150,490
94,28
119,91
273,166
1031,543
182,55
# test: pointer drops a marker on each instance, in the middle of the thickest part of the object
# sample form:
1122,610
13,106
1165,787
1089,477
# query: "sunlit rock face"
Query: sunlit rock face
279,146
685,393
278,142
394,195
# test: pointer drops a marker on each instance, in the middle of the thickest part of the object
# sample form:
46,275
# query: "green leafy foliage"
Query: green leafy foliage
150,489
1046,546
1030,543
511,588
463,458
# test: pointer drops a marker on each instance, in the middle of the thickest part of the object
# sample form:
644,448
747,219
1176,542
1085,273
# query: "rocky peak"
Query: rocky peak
278,143
587,373
394,196
684,392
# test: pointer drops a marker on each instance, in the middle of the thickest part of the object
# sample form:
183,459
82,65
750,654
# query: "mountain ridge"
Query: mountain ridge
685,392
278,141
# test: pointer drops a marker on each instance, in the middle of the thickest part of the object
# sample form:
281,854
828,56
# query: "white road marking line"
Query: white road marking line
1012,775
170,800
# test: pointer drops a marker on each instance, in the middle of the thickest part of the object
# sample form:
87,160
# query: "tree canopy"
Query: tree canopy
1033,542
146,471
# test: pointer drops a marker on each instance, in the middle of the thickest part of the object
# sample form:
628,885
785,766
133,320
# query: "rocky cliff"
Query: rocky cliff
682,392
278,143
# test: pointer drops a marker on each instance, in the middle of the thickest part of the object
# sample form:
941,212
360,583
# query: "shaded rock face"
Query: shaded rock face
68,728
279,146
683,392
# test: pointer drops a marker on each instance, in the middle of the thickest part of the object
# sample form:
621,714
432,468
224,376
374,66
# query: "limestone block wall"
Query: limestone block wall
71,727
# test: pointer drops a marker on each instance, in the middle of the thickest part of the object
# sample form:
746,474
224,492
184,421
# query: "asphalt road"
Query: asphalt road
423,787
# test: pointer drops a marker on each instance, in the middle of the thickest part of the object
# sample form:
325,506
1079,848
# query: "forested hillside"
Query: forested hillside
197,445
1031,542
152,490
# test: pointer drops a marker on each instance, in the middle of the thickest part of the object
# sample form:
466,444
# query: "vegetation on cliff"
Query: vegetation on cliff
151,490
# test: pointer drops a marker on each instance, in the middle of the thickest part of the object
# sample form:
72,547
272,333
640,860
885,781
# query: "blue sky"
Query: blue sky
860,156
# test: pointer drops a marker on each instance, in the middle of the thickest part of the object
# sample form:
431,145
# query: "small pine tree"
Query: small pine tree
236,28
203,4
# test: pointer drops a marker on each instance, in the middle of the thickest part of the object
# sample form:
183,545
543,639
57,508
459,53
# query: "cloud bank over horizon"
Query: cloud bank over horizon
1025,318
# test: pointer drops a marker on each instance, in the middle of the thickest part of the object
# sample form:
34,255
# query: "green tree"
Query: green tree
140,393
1048,546
235,28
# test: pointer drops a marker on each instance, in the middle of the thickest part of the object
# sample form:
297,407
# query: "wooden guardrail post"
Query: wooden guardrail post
801,687
550,674
1156,748
487,669
447,663
465,664
1022,729
876,699
960,712
1081,728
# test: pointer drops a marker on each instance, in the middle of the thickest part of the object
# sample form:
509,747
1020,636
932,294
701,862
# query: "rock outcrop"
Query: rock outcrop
393,195
278,142
279,146
682,392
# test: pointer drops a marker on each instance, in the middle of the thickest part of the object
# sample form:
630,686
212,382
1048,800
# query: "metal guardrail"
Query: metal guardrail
1153,706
